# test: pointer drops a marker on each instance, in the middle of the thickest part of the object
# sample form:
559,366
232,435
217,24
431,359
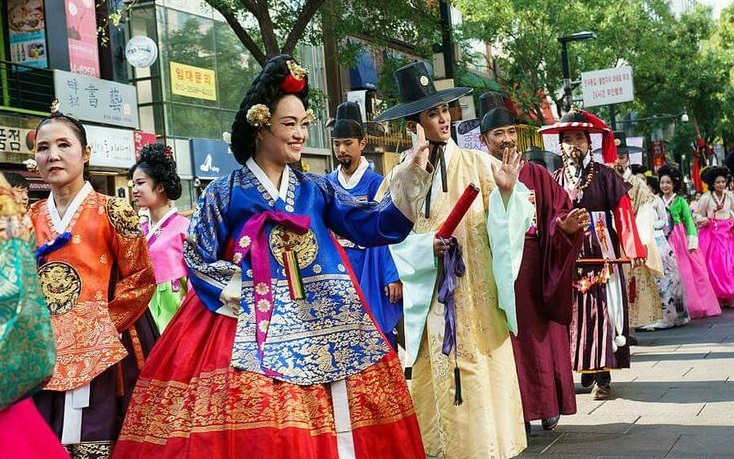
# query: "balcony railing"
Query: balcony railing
25,89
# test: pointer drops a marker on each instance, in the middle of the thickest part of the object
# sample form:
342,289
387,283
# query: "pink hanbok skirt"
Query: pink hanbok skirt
700,295
716,242
24,434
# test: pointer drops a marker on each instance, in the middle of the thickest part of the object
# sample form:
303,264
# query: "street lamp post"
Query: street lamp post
566,67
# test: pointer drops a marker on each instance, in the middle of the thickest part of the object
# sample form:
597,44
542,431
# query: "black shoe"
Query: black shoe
587,379
551,423
527,429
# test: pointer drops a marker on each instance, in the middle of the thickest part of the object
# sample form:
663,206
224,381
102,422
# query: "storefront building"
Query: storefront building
189,96
42,59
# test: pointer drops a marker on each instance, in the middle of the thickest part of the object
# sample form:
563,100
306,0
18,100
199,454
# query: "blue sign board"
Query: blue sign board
211,159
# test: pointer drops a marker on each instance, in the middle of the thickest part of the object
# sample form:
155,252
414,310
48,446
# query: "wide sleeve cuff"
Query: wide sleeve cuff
408,188
506,228
231,295
418,271
692,242
645,219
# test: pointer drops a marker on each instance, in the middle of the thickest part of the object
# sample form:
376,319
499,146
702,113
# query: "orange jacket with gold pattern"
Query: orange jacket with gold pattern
96,286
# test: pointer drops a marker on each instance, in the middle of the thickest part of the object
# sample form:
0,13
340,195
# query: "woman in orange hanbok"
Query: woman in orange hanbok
97,279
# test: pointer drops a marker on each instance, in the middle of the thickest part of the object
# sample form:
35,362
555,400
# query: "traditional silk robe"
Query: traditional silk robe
374,267
165,243
717,241
700,296
489,423
600,323
23,432
543,293
247,365
97,286
645,305
670,285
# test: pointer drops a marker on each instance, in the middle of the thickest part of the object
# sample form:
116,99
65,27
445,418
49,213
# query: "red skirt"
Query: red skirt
190,403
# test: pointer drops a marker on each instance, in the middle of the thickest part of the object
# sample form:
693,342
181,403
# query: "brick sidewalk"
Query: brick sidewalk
677,401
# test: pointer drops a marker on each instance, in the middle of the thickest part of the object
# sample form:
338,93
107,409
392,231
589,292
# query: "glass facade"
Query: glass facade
202,73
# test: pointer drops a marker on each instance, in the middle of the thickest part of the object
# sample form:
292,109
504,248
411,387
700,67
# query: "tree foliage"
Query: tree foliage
270,27
676,67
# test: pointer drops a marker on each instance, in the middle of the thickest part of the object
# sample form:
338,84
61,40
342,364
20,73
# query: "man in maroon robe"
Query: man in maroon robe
544,285
599,327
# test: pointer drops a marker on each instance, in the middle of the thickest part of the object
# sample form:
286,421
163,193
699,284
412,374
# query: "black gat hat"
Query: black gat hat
418,93
494,112
348,122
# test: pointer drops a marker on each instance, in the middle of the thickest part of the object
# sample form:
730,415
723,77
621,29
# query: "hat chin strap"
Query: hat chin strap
435,159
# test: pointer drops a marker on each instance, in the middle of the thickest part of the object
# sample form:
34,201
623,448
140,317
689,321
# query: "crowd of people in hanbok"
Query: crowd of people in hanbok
436,311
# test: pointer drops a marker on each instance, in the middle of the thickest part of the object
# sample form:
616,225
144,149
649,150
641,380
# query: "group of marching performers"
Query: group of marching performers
435,311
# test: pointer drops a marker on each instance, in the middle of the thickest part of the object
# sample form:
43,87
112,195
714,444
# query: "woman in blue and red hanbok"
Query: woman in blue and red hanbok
274,352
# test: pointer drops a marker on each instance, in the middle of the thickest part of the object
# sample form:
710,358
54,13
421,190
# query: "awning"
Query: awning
479,82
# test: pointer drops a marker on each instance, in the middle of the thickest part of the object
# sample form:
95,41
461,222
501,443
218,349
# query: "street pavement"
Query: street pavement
677,401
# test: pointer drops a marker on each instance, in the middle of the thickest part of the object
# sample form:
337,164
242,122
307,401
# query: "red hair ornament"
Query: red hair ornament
296,81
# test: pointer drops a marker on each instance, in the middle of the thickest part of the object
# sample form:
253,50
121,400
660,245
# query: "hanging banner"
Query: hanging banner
81,26
467,135
143,138
657,152
27,33
195,82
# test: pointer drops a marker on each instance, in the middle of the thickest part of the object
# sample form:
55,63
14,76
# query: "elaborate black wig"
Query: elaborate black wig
266,89
156,161
711,173
674,174
653,183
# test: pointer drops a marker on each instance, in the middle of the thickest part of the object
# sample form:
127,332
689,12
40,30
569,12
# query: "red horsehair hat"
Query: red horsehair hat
581,120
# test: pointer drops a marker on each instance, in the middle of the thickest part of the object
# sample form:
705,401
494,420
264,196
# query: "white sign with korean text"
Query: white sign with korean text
111,147
470,139
92,99
608,86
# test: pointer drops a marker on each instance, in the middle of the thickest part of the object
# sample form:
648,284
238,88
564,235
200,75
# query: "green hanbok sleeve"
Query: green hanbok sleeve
506,227
418,270
685,212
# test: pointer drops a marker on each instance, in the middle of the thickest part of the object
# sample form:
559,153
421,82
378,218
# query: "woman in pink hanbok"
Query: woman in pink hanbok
155,185
715,218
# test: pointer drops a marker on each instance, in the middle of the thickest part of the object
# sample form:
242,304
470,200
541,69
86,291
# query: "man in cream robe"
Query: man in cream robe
489,421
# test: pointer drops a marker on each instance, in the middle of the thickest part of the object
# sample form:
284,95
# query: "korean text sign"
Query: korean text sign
608,86
93,99
195,82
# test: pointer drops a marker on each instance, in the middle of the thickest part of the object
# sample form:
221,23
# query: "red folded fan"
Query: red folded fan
458,212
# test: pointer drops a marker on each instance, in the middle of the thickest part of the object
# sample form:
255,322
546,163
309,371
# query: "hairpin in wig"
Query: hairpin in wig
56,114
